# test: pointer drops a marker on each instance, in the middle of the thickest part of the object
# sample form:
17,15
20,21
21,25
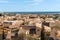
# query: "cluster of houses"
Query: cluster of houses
28,24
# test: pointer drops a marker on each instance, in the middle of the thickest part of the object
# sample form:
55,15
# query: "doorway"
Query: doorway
33,31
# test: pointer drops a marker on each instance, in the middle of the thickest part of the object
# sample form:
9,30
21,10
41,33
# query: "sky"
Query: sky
29,5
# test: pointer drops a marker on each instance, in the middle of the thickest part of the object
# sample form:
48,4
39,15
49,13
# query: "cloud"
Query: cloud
34,2
37,1
3,1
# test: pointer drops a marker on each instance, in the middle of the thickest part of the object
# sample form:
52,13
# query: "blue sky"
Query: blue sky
29,5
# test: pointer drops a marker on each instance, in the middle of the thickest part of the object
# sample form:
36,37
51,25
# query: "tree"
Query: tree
43,35
22,36
0,14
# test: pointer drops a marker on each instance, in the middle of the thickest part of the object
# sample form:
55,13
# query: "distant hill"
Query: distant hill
31,12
